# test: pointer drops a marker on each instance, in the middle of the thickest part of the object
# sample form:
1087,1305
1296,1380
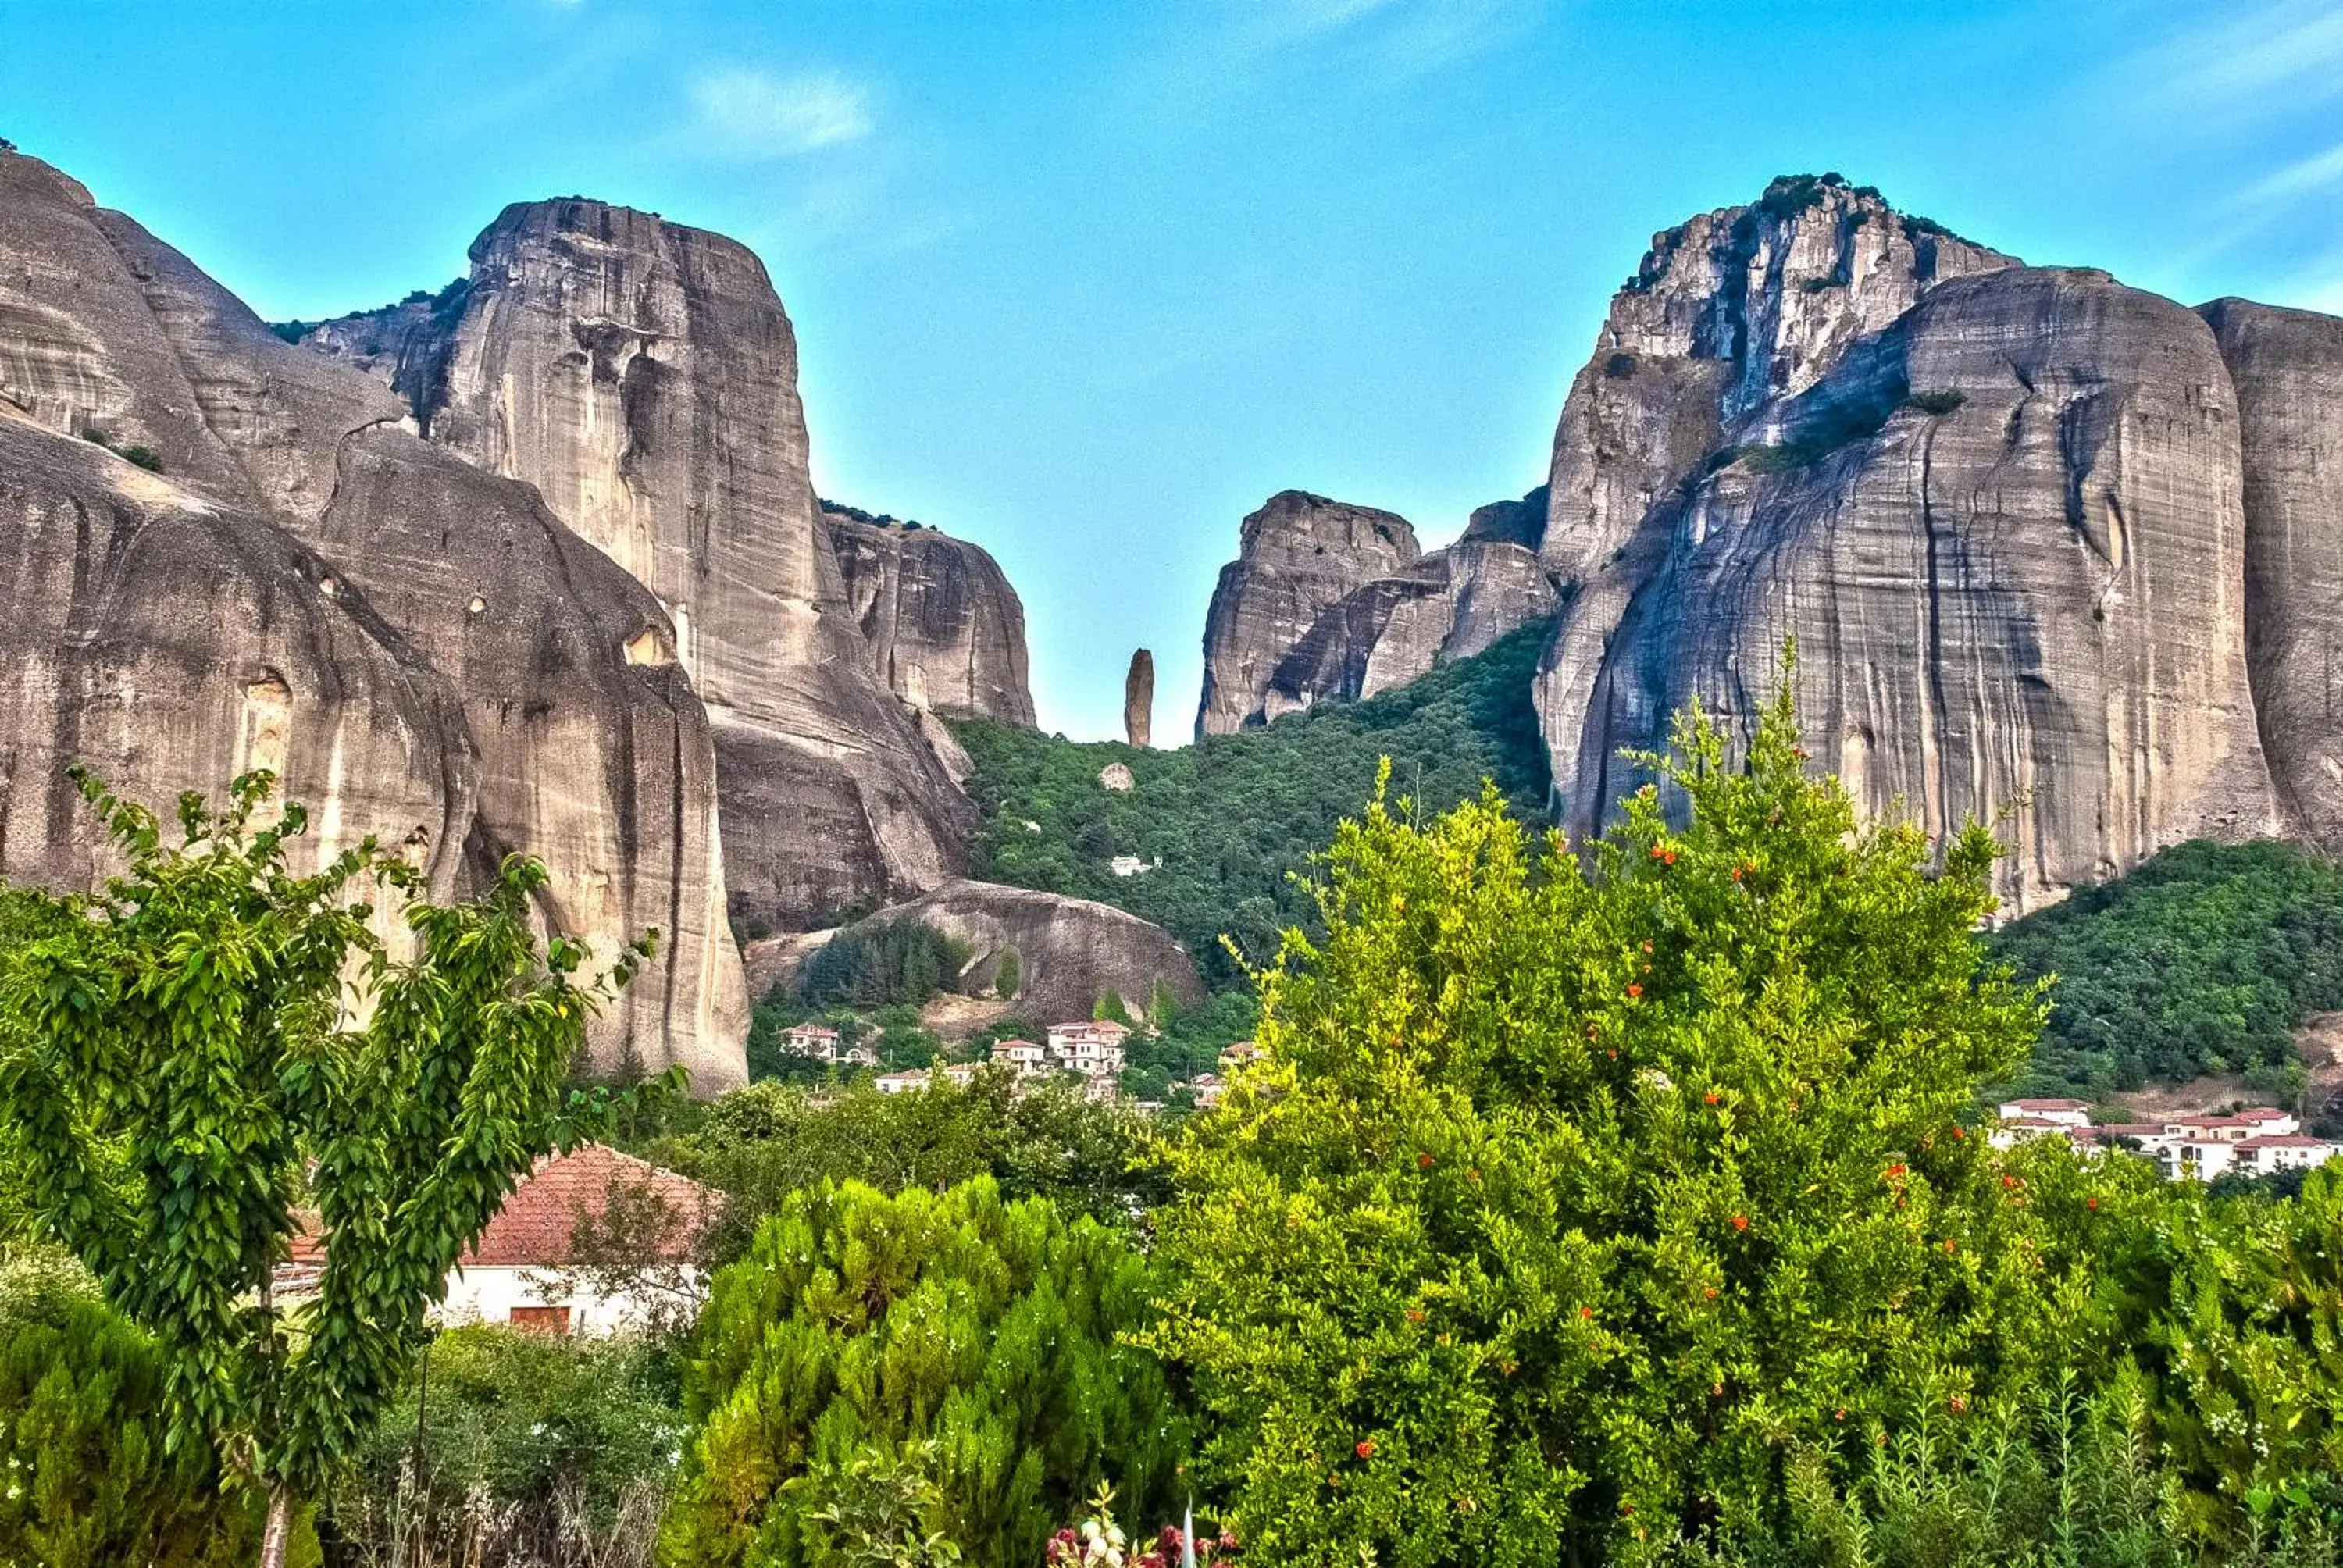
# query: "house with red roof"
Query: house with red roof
592,1242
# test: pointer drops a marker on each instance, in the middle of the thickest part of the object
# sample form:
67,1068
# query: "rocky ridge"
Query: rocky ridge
945,630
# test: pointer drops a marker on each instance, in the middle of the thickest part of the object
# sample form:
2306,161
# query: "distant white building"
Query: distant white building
817,1040
900,1083
858,1056
1239,1054
961,1073
2270,1153
1022,1057
2063,1112
1207,1087
1093,1048
1100,1090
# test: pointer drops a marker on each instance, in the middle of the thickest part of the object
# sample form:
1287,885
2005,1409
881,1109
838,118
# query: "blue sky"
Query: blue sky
1085,281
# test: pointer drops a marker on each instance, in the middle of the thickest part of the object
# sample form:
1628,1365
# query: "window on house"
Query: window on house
540,1320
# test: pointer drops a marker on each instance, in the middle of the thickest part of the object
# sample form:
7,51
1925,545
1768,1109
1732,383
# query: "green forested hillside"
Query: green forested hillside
1230,816
2204,960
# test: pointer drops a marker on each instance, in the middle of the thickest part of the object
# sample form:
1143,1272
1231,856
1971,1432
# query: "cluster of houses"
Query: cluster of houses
1089,1048
2260,1140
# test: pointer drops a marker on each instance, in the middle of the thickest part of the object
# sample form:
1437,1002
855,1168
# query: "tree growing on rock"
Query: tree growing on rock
180,1061
1574,1193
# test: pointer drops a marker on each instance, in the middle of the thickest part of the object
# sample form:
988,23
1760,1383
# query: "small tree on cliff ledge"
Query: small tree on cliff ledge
174,1048
1571,1198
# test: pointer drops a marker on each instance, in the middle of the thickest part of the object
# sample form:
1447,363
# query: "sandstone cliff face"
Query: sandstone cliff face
945,630
537,702
1297,556
2009,535
172,643
643,377
2286,367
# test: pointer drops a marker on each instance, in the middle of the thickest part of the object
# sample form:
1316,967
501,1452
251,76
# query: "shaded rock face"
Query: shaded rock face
409,642
2008,534
1139,699
1727,311
643,377
945,630
1451,603
1297,556
1070,951
2287,369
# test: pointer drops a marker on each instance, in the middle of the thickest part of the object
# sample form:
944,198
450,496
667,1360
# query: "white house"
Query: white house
2272,1152
1091,1047
637,1223
1207,1087
815,1040
961,1073
1239,1054
1022,1056
900,1083
858,1056
2008,1131
2060,1113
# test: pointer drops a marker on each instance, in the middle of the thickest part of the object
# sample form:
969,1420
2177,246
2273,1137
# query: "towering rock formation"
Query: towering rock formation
1139,699
945,630
2287,369
642,376
1726,312
410,642
2008,536
1298,554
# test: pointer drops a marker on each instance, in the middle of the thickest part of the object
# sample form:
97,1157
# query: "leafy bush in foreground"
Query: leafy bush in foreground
862,1329
1569,1197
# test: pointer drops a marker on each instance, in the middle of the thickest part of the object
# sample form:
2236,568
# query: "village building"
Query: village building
1207,1087
1093,1048
817,1040
2272,1152
900,1083
2060,1113
858,1056
641,1223
1240,1054
961,1073
1022,1057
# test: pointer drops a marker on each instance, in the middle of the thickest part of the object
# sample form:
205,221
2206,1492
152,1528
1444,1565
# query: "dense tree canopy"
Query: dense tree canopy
1570,1190
178,1067
2204,960
978,1340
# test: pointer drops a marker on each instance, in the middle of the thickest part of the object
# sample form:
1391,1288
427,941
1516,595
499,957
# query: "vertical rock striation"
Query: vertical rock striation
2008,536
2286,367
409,641
945,630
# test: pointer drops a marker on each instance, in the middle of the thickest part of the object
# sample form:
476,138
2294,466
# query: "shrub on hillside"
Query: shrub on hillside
973,1341
2203,959
1232,816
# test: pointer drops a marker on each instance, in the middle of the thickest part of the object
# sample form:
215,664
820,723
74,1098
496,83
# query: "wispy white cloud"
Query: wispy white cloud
2302,177
2253,52
751,114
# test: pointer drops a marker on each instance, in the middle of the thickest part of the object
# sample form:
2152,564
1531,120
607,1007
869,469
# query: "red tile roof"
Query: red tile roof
535,1227
2282,1140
